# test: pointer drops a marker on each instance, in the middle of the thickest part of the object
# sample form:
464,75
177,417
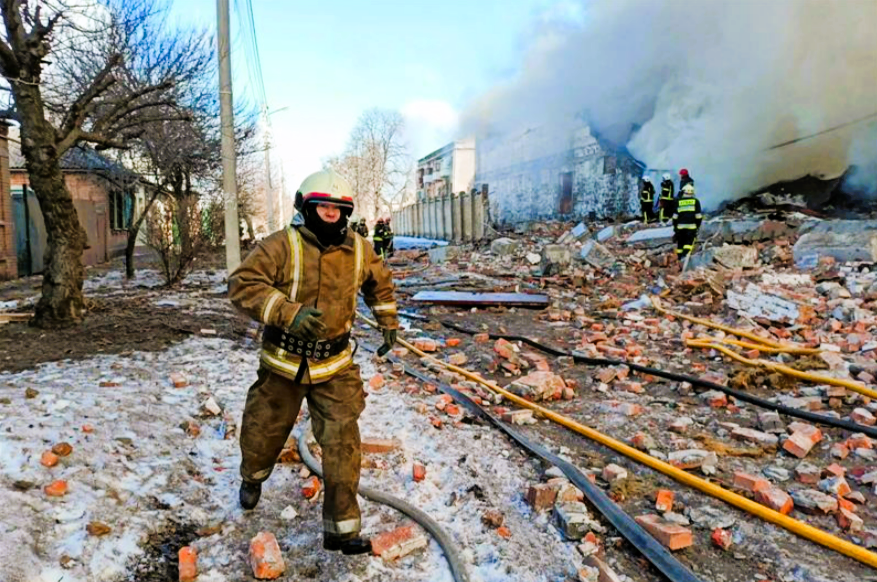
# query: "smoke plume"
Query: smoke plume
711,86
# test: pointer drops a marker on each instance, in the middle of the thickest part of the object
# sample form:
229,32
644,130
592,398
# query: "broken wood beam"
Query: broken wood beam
7,317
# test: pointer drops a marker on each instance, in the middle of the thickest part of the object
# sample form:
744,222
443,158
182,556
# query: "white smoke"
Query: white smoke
712,86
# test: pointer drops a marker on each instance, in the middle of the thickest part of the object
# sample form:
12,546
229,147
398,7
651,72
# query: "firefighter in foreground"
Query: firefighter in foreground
302,283
686,221
647,200
668,197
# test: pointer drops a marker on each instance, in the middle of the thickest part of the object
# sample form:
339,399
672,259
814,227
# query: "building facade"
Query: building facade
449,170
561,172
105,195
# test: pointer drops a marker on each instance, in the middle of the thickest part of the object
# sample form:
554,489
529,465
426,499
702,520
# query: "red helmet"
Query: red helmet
683,172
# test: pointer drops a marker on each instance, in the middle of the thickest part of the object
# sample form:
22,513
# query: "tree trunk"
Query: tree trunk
249,220
62,302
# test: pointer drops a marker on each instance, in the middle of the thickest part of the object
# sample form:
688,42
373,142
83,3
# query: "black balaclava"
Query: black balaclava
328,233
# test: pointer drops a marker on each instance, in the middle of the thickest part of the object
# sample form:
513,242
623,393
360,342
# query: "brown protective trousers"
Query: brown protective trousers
273,404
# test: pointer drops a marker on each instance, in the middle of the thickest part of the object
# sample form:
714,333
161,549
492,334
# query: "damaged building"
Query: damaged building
563,172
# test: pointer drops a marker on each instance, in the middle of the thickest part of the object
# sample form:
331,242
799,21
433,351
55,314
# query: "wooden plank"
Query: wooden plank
7,317
462,299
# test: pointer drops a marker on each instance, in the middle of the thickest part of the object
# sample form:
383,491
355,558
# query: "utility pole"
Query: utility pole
229,165
269,189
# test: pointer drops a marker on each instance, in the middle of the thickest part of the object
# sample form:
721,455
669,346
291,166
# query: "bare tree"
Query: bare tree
85,72
376,161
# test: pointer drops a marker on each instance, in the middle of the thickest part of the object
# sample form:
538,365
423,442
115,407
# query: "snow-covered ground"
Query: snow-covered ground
135,469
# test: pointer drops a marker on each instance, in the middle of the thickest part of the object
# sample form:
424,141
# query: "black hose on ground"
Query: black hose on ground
659,556
452,554
694,381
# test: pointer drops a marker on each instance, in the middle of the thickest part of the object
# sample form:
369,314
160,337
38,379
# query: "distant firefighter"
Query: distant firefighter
647,200
684,179
668,198
686,221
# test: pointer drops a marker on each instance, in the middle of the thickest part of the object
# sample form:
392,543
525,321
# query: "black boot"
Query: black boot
348,547
250,493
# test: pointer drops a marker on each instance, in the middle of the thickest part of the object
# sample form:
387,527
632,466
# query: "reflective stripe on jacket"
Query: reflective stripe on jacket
290,269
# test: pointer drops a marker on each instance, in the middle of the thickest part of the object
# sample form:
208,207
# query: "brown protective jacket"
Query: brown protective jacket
290,269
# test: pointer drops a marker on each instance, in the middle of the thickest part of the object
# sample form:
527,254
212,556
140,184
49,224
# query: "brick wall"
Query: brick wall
525,175
90,195
8,257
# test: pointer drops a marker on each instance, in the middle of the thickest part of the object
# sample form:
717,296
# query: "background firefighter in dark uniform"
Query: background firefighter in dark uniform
668,198
647,200
686,221
379,238
302,283
388,238
362,228
684,179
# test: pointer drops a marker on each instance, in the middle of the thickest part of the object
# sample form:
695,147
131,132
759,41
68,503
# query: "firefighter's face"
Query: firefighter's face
328,212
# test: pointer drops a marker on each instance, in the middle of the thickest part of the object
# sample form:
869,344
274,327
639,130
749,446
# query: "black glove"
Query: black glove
307,324
389,341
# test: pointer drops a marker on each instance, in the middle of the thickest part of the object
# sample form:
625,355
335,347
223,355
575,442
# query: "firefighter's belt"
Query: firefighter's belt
315,350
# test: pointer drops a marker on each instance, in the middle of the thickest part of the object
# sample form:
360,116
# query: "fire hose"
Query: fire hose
653,551
693,380
765,513
452,553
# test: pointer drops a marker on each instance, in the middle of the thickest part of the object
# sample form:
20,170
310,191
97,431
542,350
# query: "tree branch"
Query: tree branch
79,110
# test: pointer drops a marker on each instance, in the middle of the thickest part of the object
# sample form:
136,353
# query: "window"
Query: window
609,164
121,209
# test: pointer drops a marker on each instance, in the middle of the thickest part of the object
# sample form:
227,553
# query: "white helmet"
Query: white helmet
646,179
688,189
666,176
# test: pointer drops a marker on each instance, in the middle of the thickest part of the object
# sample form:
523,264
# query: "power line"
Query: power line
247,27
829,130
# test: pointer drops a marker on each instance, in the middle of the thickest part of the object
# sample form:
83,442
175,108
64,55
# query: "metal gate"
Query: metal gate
27,240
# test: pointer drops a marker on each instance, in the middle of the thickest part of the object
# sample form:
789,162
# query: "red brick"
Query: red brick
178,380
813,434
749,482
849,520
503,532
188,564
664,501
833,470
265,557
311,488
859,441
452,342
776,499
398,542
722,538
49,459
378,446
426,344
56,488
376,382
452,410
87,428
418,472
798,444
541,497
669,534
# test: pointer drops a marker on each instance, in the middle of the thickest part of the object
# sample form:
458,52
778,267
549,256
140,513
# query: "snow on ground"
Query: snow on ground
139,469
